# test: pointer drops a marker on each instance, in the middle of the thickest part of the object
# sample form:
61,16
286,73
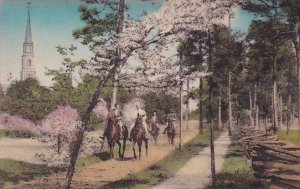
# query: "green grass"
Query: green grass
236,172
292,137
11,171
165,168
86,161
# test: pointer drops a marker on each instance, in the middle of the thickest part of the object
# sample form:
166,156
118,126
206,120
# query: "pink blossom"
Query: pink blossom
64,120
14,122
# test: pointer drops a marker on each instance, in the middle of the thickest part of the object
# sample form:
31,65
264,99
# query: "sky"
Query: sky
52,23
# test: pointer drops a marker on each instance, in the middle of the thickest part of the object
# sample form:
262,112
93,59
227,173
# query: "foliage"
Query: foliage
28,99
161,103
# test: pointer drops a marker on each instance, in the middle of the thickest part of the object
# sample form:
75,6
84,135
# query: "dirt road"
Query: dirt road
99,174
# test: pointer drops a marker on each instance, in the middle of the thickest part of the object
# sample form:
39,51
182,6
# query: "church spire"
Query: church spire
28,65
28,36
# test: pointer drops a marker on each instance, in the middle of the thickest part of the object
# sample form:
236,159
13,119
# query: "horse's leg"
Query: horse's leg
112,151
146,145
133,148
111,154
124,147
140,149
119,144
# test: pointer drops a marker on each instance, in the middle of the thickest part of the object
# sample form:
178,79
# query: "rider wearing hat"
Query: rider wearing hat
171,117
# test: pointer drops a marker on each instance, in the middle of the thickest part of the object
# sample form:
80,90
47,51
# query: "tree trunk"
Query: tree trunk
289,113
256,106
219,110
275,96
181,114
250,109
210,114
115,91
237,111
229,103
59,143
201,106
187,104
297,45
181,101
280,111
86,116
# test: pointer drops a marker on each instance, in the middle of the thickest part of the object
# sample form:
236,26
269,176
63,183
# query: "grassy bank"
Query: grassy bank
292,137
165,168
12,171
236,172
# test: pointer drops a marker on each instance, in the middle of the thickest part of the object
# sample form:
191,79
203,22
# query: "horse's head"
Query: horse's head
112,120
139,119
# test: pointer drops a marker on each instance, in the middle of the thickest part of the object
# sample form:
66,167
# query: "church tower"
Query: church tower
28,66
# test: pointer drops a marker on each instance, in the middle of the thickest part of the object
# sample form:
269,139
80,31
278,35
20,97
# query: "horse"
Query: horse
154,131
138,135
113,135
171,132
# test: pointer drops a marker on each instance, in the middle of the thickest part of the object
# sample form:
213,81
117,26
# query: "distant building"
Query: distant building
28,66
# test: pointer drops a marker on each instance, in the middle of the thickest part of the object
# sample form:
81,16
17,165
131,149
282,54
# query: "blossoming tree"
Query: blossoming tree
59,129
146,38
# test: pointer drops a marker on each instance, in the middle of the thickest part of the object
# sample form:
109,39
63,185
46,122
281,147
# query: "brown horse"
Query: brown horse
113,135
171,132
138,135
154,131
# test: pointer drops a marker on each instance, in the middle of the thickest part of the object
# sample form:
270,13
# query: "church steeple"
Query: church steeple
28,67
28,36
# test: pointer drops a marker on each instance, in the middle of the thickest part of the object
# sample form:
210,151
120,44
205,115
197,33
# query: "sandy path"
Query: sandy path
99,174
22,149
195,174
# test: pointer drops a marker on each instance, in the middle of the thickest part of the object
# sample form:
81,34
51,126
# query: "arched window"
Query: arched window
28,63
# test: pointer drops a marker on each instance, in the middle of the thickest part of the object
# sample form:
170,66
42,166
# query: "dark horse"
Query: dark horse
154,131
171,132
138,135
113,135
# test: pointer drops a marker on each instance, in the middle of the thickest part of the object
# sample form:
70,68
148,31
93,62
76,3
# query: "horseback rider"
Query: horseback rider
153,118
145,125
115,113
171,118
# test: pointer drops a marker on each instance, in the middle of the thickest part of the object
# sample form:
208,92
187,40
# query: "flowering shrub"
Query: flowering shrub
17,123
59,130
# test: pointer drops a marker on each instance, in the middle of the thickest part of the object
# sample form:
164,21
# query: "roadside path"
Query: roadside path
196,173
